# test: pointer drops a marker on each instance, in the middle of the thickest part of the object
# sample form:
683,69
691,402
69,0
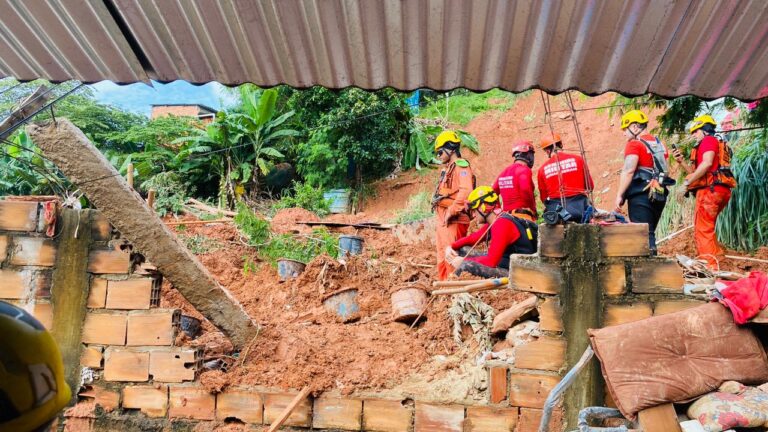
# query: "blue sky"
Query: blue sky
138,97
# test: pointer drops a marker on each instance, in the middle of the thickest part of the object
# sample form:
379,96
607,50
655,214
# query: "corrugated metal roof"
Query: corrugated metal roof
710,48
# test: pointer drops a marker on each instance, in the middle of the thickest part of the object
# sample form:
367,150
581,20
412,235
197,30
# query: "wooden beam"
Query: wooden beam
87,168
31,104
289,409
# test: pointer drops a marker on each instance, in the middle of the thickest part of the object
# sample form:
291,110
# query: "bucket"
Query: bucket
343,304
190,326
289,269
408,303
339,199
350,244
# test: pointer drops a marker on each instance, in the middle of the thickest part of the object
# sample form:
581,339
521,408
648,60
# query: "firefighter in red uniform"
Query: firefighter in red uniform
509,233
449,201
563,178
644,181
515,183
711,180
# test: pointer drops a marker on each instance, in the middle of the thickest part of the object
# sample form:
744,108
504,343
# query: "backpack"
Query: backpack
643,176
723,176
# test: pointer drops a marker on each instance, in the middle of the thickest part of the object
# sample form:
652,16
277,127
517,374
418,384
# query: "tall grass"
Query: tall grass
744,222
678,213
463,105
419,207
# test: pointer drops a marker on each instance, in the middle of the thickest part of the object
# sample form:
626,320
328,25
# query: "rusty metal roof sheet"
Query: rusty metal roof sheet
710,48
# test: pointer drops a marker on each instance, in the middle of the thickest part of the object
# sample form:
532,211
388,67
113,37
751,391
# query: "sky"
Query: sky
139,97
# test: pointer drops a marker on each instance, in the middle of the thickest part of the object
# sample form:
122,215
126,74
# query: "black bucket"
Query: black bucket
289,269
190,326
350,244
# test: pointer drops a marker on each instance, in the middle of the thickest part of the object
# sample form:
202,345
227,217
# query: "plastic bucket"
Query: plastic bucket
343,304
350,244
408,303
339,200
289,269
190,326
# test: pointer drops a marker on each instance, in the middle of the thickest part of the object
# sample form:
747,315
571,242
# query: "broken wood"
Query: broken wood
26,108
198,222
127,211
199,205
505,320
455,283
743,258
289,409
661,418
129,176
485,285
371,225
151,198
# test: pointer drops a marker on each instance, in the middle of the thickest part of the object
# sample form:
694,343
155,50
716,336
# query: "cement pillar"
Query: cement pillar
581,300
69,291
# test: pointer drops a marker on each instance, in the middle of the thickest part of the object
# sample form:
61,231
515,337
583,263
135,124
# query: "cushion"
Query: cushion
730,407
676,357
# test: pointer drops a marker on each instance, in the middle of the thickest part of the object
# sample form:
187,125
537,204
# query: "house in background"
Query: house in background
205,113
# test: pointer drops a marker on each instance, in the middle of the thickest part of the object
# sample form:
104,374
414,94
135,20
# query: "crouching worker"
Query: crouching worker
504,234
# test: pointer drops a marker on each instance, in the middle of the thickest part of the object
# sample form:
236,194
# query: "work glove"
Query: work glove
450,253
456,261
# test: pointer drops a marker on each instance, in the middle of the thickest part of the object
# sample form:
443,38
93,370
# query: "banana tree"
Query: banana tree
262,130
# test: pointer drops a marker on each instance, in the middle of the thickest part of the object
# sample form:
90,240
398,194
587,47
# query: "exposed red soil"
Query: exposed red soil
684,244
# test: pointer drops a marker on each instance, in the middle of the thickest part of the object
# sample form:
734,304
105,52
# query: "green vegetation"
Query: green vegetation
271,246
461,106
171,192
419,207
200,244
307,197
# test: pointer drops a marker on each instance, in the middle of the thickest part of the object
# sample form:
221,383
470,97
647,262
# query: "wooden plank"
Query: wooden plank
661,418
283,416
624,240
386,416
78,159
546,353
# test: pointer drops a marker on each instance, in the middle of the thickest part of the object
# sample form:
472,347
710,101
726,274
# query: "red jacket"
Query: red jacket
504,232
515,185
574,173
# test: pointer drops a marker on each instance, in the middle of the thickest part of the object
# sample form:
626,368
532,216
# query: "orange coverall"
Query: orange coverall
709,204
455,188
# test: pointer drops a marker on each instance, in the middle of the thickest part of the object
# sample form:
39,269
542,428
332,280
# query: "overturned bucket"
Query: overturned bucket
408,304
289,269
343,304
350,244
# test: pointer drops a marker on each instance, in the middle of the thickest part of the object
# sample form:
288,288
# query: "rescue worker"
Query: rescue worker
643,182
32,386
449,201
563,178
504,233
711,180
515,183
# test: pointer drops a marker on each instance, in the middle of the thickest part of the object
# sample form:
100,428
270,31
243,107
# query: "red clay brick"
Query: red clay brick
246,406
671,306
490,419
535,276
127,365
439,418
33,251
192,402
624,240
551,239
151,400
13,284
550,315
386,416
3,247
546,353
18,216
274,404
616,314
109,261
104,329
498,384
92,357
613,279
155,327
530,391
43,311
173,365
107,399
134,293
337,413
101,230
97,295
530,419
657,276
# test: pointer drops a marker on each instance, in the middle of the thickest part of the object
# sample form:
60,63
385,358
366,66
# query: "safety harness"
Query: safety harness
723,176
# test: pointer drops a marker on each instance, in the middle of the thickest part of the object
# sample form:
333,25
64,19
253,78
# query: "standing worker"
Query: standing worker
711,180
564,182
644,177
454,186
515,183
515,233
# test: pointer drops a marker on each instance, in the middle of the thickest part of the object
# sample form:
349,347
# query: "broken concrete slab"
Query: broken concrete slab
86,167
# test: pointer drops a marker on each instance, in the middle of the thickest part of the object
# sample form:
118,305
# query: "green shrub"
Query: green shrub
307,197
200,244
171,192
419,207
251,225
463,105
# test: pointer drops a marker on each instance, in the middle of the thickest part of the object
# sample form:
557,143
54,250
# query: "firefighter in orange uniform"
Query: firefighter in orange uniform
449,201
711,180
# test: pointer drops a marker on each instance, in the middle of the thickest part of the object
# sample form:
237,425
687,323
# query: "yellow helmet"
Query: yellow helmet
700,121
446,136
32,386
634,116
485,196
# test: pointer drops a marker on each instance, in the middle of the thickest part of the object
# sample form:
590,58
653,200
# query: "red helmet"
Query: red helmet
522,146
549,140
